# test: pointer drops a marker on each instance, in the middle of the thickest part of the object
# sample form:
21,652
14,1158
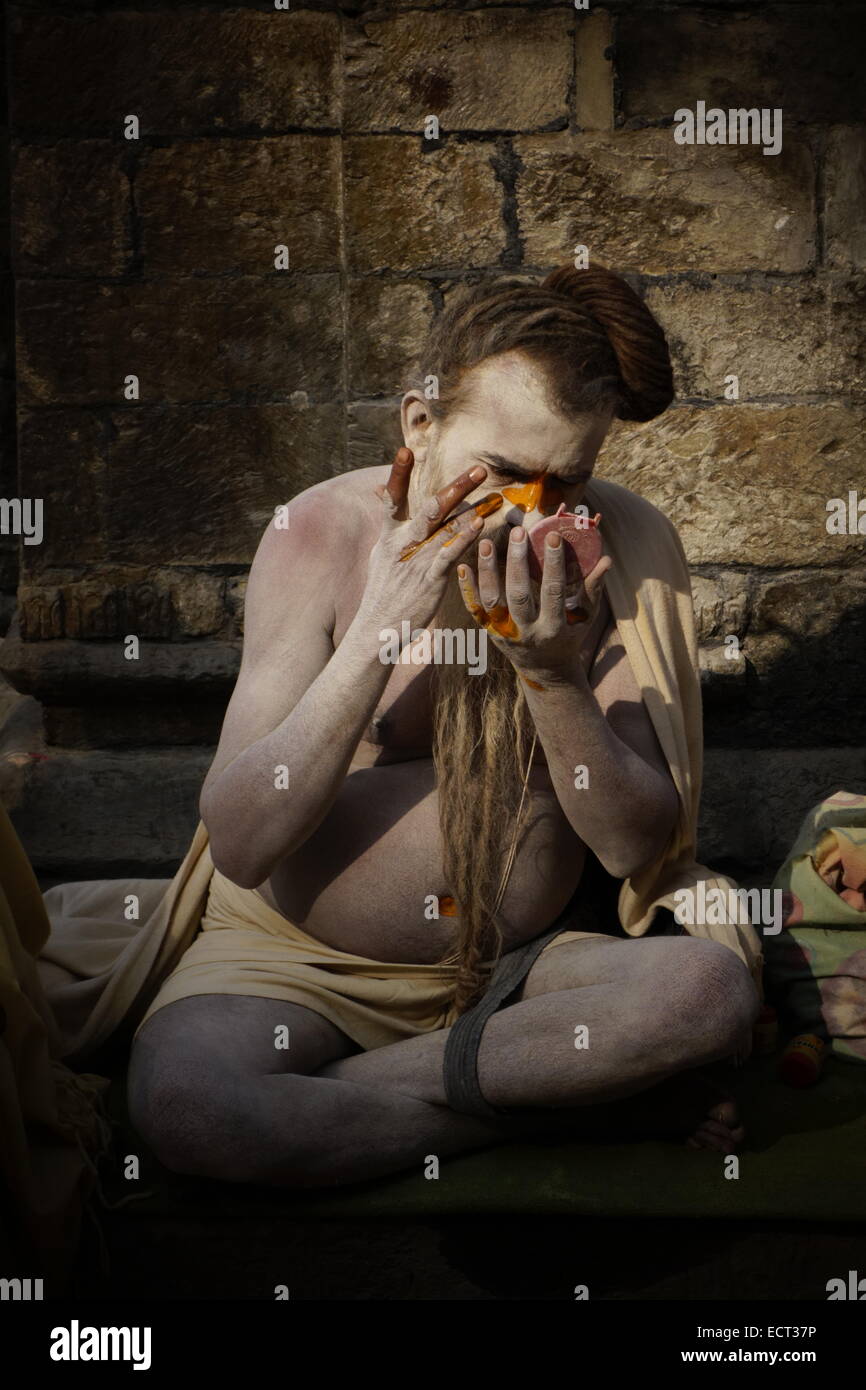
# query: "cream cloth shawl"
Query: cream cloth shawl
101,965
651,597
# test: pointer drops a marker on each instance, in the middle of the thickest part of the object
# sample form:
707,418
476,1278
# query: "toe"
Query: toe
709,1139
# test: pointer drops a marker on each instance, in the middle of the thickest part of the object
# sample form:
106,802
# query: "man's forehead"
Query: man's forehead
509,417
509,381
527,442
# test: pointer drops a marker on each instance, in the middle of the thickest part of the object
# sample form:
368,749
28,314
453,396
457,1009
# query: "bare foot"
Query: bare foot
720,1130
694,1107
691,1107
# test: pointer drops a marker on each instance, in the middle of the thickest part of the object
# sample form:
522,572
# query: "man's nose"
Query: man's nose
539,496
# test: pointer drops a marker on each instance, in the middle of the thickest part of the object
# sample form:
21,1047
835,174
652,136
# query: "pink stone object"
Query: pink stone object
580,534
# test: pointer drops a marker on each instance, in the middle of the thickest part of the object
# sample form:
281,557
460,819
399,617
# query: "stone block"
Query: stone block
754,799
496,69
62,462
244,338
716,330
198,485
70,205
179,718
407,210
116,603
387,322
594,71
808,62
747,485
69,673
374,434
215,206
99,814
268,70
641,202
845,197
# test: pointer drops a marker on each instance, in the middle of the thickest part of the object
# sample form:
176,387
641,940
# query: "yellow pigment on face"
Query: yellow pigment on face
537,494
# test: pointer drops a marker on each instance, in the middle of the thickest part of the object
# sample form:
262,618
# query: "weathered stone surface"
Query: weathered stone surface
808,63
374,434
409,211
211,206
4,192
747,485
809,651
7,589
235,597
104,814
8,452
641,202
263,70
199,485
22,740
7,343
115,603
68,671
387,321
802,654
754,799
193,340
845,197
722,604
808,604
59,234
502,69
723,675
62,460
594,71
385,7
715,330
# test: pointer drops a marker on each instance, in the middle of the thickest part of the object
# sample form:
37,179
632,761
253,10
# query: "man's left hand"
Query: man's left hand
542,637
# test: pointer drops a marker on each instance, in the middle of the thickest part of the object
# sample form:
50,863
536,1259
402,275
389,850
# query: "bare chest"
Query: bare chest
402,725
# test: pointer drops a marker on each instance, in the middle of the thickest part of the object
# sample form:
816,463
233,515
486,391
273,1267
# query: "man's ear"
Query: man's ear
415,420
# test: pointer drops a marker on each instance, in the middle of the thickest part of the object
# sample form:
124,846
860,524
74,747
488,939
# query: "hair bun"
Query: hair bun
635,336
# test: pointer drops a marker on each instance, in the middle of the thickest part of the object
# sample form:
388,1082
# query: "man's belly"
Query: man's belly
364,881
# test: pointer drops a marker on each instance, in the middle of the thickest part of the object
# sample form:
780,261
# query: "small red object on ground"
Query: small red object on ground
801,1062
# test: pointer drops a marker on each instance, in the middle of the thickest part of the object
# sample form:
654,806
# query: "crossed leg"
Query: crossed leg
213,1096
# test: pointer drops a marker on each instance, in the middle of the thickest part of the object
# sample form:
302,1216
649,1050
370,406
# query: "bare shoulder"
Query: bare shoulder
331,507
305,553
320,527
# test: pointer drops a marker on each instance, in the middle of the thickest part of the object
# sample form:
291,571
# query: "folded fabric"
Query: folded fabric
52,1126
816,967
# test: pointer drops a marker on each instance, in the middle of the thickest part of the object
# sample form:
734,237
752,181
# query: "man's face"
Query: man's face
534,456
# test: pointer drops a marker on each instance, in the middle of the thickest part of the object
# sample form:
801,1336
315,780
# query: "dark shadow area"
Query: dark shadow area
807,696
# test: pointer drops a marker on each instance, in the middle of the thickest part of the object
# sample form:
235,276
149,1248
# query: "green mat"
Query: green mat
804,1157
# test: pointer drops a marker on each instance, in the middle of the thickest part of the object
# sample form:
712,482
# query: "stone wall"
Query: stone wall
155,257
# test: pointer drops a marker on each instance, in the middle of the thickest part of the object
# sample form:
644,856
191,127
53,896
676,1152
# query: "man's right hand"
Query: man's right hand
410,563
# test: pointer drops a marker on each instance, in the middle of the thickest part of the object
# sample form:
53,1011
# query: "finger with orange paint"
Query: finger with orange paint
470,595
397,486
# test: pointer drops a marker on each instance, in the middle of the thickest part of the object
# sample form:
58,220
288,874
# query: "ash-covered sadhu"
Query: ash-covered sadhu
379,945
